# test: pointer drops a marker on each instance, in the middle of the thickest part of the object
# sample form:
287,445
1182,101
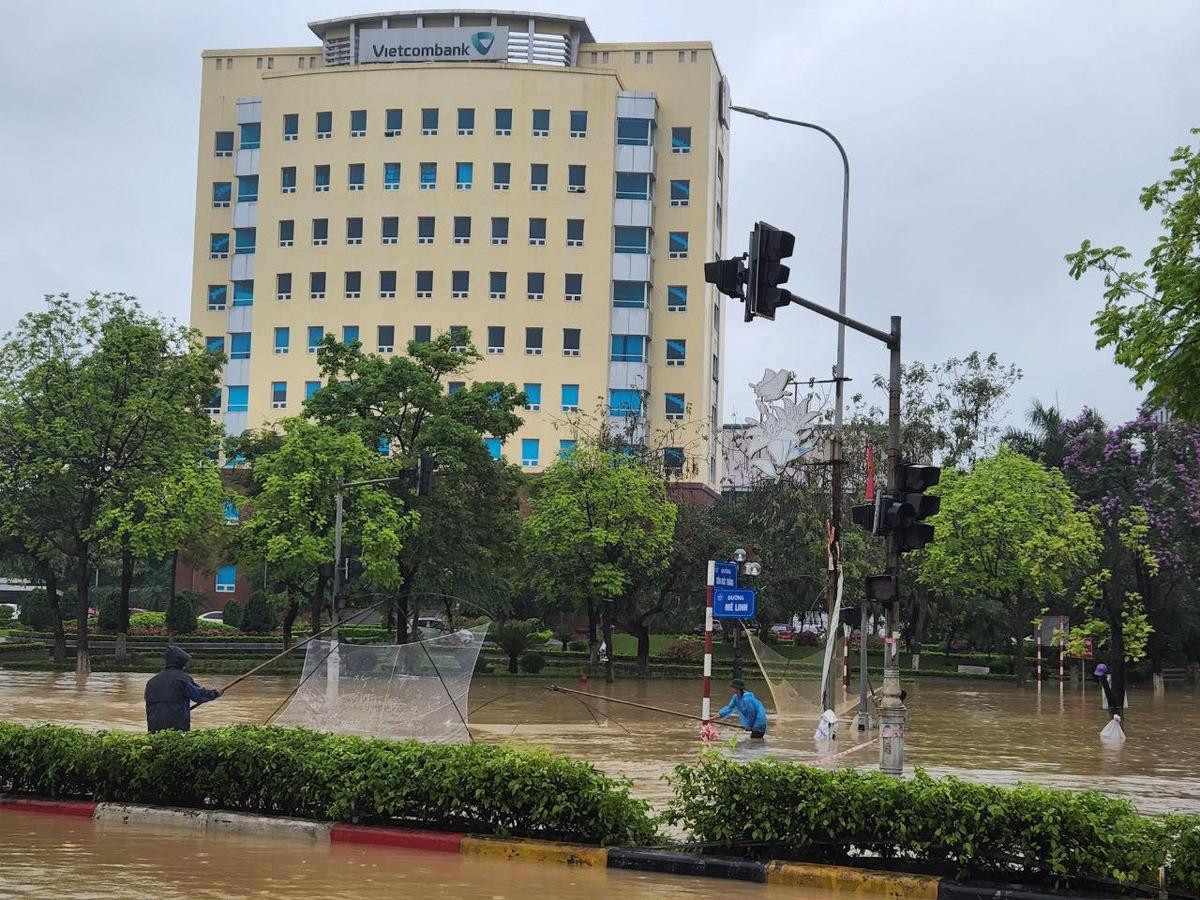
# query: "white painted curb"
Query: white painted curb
213,820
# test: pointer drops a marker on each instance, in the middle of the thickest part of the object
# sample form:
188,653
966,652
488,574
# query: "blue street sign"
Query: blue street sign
725,575
734,604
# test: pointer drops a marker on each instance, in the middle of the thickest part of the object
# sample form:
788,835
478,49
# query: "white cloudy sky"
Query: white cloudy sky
986,139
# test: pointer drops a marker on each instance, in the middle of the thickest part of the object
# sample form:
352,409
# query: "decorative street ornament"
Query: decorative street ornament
784,432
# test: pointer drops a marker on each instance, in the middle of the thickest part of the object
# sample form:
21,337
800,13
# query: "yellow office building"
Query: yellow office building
422,172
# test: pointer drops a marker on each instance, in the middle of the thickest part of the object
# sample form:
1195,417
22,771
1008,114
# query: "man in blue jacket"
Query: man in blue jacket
171,693
749,709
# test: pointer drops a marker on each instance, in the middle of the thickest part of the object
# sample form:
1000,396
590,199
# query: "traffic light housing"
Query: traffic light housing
902,513
766,273
729,275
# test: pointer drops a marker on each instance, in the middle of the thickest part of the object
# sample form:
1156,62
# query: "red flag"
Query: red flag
870,472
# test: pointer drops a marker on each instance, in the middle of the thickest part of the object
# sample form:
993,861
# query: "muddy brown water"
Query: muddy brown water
983,731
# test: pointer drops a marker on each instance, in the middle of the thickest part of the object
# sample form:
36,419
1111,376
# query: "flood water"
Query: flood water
983,731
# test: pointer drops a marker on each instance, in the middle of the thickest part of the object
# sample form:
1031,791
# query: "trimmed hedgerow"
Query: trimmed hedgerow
1040,833
479,788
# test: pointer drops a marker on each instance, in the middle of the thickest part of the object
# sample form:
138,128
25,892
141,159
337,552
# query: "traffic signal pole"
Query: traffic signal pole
892,712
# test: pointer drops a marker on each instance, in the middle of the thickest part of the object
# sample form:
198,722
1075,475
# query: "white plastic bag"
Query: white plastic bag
1113,731
826,727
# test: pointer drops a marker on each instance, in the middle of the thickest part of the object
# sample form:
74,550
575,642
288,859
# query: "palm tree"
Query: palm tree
1045,440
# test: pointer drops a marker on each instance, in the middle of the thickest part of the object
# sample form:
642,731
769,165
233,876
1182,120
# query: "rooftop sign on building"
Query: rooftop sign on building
400,45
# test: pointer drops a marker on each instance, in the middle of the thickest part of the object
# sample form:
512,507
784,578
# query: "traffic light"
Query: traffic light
869,515
882,588
729,275
917,505
425,467
769,246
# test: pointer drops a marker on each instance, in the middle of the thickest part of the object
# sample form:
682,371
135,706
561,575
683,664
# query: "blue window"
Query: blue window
349,334
316,334
250,137
462,229
320,232
429,121
283,339
570,397
681,191
425,229
239,345
316,285
455,387
424,283
573,285
231,511
673,459
287,232
321,178
578,123
226,579
386,338
501,176
358,123
354,230
213,404
215,344
629,294
675,406
677,298
497,285
566,448
291,126
539,176
633,186
389,229
625,402
384,445
393,122
500,229
428,175
217,294
460,283
678,245
356,176
218,245
541,122
631,239
244,240
681,140
324,124
571,338
310,388
576,179
352,285
232,462
464,175
529,451
387,283
676,351
574,232
628,348
533,396
278,394
247,188
466,120
537,231
493,446
503,121
287,179
223,143
222,192
243,293
634,132
391,176
237,398
535,285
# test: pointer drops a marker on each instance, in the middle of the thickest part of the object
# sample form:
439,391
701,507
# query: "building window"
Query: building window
250,136
503,122
217,294
720,168
533,397
466,121
218,246
677,298
539,176
283,340
499,229
428,176
574,232
464,176
321,179
675,407
570,342
316,334
310,388
633,186
354,230
278,395
529,451
462,229
676,351
389,229
238,398
576,179
535,286
215,345
320,232
634,132
385,338
537,232
223,143
628,348
324,125
678,245
630,294
222,192
533,341
624,402
493,447
422,334
243,292
356,176
353,285
631,239
226,580
358,123
573,286
460,284
673,459
393,122
458,339
283,286
495,339
316,285
578,123
213,403
424,284
243,240
541,123
681,140
287,232
287,180
387,284
425,225
391,176
501,176
429,121
349,334
681,191
637,56
566,448
497,285
570,397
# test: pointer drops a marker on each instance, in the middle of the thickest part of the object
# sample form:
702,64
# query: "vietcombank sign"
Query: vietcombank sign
393,45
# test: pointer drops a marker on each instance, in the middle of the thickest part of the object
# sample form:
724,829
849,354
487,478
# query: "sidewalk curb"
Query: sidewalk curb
82,808
537,851
409,839
673,863
844,879
213,820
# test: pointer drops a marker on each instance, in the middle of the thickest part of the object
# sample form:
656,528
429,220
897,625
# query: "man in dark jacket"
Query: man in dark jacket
170,694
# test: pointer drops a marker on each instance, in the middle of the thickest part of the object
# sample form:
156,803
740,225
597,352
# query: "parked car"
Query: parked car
430,627
699,629
783,632
215,616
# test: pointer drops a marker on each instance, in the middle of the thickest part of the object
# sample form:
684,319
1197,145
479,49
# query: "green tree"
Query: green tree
516,636
1009,531
600,527
1151,316
181,612
1045,440
259,616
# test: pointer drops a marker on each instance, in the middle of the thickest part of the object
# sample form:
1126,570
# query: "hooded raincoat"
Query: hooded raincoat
171,693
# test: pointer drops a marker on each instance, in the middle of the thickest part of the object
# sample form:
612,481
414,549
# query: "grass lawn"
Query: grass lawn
626,646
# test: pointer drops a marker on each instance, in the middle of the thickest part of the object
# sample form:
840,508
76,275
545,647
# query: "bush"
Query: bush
683,650
35,611
147,620
181,613
578,646
532,662
811,639
109,619
5,615
482,788
231,615
259,615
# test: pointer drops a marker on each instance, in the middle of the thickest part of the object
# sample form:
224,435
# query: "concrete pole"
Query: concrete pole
333,658
1037,623
706,704
892,712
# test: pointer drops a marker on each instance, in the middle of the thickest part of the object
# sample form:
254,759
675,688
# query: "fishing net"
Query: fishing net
792,697
415,691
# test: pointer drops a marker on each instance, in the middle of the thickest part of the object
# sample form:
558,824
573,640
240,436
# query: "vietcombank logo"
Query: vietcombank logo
382,45
483,41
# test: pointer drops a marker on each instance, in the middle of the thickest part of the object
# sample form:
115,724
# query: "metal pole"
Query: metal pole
864,717
333,658
705,705
892,712
1037,623
845,656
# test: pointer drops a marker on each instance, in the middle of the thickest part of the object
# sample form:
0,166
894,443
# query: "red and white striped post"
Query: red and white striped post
1062,647
705,707
1038,624
845,656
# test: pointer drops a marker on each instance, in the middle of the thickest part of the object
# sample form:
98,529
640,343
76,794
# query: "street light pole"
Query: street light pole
839,375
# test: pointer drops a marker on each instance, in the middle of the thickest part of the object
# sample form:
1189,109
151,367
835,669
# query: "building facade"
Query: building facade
500,173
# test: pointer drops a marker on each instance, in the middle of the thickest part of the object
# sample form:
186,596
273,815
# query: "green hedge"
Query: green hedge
1045,834
23,647
472,787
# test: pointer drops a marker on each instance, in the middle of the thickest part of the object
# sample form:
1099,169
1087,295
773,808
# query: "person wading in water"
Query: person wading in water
171,693
749,708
